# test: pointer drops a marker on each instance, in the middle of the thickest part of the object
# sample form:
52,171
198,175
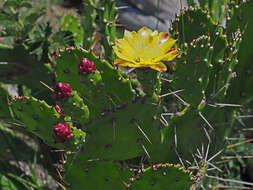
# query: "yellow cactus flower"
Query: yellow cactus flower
145,49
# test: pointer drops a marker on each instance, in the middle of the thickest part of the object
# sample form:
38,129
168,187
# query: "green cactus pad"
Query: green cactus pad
239,15
107,25
240,91
96,175
123,132
162,176
100,90
220,72
185,133
150,81
88,18
223,72
217,9
196,22
192,71
39,118
74,106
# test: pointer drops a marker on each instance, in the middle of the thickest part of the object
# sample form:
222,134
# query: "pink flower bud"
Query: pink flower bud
61,132
62,90
58,109
86,66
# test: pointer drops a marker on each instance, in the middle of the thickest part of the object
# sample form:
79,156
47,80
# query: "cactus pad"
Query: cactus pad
198,61
39,118
123,132
96,174
162,175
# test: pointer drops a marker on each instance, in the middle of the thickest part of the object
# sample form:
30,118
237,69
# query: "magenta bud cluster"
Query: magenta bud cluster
58,109
62,91
61,132
86,66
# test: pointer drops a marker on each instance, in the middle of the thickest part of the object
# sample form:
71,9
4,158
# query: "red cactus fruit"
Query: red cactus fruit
61,132
86,66
58,109
62,90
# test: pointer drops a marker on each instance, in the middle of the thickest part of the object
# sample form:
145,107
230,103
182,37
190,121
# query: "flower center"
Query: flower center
137,60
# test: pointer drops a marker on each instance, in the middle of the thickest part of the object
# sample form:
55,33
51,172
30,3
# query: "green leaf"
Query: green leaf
11,3
6,183
26,4
62,39
31,18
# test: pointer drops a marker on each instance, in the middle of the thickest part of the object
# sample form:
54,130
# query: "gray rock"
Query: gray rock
155,14
12,89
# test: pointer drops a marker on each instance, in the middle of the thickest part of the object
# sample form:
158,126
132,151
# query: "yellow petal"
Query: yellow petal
146,36
144,32
121,53
124,63
126,48
172,54
159,67
131,37
167,45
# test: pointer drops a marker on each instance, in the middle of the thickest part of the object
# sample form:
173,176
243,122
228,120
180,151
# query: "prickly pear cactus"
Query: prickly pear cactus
110,127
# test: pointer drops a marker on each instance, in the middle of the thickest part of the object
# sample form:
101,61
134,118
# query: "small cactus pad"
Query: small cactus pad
74,106
217,9
100,175
195,21
107,25
150,81
88,19
160,176
39,118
